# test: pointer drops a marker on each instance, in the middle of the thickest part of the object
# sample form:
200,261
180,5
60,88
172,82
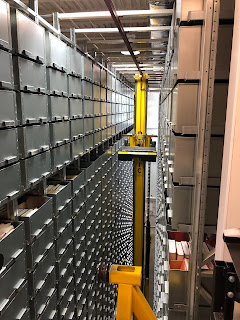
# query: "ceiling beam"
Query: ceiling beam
120,41
121,13
118,50
126,29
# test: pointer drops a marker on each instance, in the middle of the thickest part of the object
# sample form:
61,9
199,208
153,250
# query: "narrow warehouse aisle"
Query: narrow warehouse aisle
118,139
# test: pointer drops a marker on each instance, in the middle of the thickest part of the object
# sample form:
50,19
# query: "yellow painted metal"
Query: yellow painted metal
125,275
130,298
124,302
139,185
138,153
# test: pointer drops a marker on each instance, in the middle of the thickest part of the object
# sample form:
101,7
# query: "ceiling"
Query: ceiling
108,46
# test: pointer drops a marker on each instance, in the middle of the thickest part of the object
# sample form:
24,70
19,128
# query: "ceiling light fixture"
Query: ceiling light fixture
127,53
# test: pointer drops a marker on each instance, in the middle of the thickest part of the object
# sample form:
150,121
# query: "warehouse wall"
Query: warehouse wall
63,189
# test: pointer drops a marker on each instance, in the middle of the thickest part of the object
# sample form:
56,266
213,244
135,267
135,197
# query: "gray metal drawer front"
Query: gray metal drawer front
77,180
10,182
36,278
96,92
76,108
97,108
78,200
77,147
57,82
36,221
103,94
75,87
113,83
5,28
109,95
12,246
104,108
33,108
33,139
104,78
35,168
63,197
63,219
108,108
58,108
31,38
97,123
17,309
109,120
40,301
56,52
113,108
66,296
65,261
79,219
104,121
32,76
97,138
113,119
8,112
87,67
69,312
104,134
96,73
36,250
65,276
60,133
88,108
12,278
88,125
87,89
6,72
75,62
109,80
61,156
76,128
51,310
64,240
8,146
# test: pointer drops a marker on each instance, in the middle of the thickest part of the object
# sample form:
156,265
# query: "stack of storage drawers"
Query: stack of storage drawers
179,121
37,214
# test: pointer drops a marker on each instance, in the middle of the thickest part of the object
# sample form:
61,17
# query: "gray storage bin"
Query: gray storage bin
32,108
77,147
87,89
103,94
35,168
113,83
77,179
76,129
79,222
109,95
37,249
40,302
66,295
63,219
97,138
109,132
10,182
97,123
60,133
8,146
33,140
109,120
75,87
37,277
32,76
65,261
50,312
87,68
8,112
76,108
39,218
56,52
88,142
88,125
30,38
61,156
96,74
103,78
96,92
113,108
104,122
6,72
75,62
63,241
18,307
97,108
66,276
69,312
79,200
109,80
104,134
58,108
12,279
62,197
88,108
57,82
5,27
108,108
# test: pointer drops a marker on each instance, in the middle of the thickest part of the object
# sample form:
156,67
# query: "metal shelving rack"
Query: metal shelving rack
193,93
59,139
